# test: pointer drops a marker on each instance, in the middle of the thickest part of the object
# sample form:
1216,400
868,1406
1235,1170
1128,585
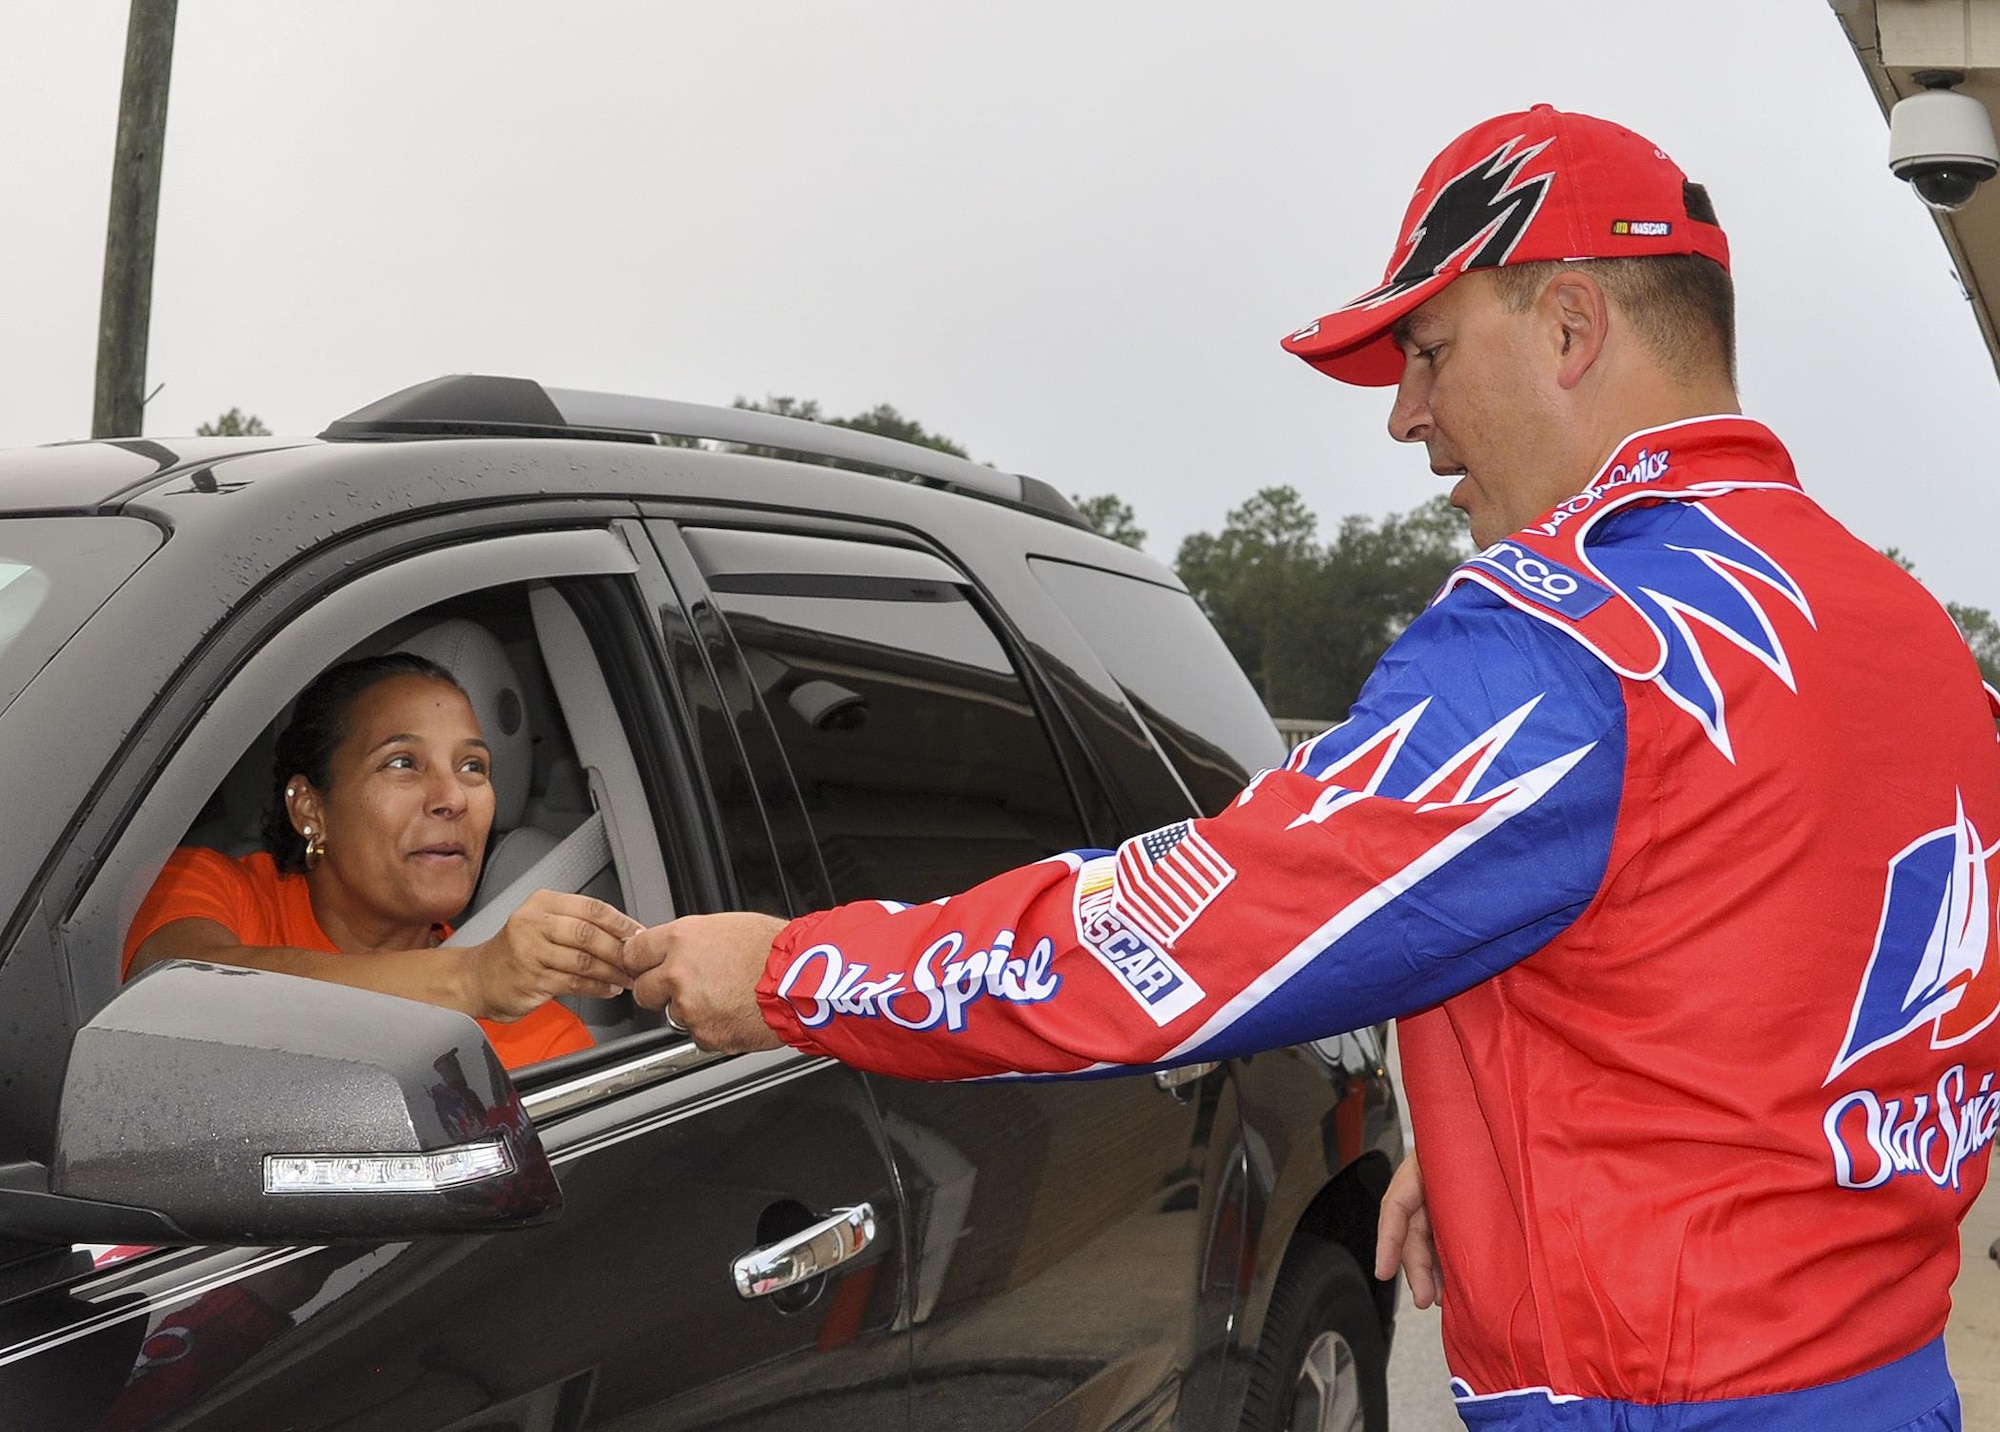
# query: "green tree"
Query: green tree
1309,620
1982,634
1376,580
234,424
1254,578
1109,515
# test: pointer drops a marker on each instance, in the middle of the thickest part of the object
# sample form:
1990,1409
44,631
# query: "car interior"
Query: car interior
560,755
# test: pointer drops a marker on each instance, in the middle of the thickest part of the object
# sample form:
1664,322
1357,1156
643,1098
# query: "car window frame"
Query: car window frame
240,685
1098,815
1088,708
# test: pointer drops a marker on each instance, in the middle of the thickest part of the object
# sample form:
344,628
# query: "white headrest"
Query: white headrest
474,655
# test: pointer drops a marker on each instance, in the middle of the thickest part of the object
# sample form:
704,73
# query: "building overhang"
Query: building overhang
1895,40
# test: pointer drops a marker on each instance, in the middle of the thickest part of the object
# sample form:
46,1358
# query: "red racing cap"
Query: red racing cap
1521,188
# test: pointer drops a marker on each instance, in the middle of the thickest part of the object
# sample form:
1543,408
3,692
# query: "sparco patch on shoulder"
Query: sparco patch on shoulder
1542,580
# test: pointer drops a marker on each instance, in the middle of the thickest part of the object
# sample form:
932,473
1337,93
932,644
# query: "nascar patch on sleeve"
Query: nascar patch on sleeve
1145,970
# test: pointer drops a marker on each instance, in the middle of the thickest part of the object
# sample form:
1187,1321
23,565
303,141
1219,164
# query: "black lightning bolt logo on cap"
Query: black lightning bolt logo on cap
1482,209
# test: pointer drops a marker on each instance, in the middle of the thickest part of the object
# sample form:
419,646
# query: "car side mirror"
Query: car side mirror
248,1107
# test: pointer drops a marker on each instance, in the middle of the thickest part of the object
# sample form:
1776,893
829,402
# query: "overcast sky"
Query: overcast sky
1067,233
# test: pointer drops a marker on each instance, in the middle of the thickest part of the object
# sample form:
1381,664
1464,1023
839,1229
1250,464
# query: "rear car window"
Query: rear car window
1176,672
54,573
920,755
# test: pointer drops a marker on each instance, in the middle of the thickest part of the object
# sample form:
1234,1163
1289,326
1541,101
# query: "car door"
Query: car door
903,751
624,1313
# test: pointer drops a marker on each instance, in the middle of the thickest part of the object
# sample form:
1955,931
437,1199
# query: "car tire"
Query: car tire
1323,1362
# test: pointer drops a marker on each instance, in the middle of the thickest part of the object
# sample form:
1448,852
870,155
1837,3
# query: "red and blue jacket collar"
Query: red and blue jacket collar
1546,570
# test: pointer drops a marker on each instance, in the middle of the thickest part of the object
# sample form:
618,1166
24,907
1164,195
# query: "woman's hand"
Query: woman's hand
552,944
1403,1235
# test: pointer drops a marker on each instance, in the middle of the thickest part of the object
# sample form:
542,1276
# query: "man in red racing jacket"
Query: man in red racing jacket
1667,831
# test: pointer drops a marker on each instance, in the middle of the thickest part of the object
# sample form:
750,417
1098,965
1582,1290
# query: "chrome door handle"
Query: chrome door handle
808,1253
1172,1079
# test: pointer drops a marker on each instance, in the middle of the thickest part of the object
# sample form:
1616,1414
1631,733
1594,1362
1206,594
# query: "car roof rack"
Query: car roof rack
479,405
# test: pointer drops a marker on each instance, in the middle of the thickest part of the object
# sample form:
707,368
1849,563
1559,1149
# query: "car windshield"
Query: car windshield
55,572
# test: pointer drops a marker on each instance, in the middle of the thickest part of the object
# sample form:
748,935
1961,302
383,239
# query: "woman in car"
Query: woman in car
381,803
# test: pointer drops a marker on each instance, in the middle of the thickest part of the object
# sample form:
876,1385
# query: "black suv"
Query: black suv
735,667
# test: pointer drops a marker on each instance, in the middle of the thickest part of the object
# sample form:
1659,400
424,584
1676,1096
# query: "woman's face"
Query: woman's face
407,808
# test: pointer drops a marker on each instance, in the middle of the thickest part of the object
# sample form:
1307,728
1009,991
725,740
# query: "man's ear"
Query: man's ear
1577,315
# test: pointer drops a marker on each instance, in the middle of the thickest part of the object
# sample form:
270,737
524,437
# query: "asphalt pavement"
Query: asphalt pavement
1972,1337
1419,1386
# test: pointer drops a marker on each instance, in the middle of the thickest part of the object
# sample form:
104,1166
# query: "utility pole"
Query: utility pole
125,310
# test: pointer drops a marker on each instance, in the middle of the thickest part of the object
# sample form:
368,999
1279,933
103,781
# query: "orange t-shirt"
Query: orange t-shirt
250,899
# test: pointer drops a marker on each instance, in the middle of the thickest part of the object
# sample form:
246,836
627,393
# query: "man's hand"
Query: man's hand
555,943
702,972
1403,1235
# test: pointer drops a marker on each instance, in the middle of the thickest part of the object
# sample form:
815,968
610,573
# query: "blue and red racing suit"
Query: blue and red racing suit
1665,832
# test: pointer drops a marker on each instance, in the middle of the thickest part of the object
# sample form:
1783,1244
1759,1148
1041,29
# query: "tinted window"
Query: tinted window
1177,673
919,754
55,572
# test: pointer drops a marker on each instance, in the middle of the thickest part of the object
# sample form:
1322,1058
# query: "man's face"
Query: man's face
1479,391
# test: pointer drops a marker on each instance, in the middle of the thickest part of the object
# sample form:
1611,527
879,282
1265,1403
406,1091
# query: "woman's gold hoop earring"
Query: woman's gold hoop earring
315,847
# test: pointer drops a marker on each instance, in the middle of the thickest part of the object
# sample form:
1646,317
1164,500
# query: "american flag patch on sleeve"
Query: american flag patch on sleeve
1166,878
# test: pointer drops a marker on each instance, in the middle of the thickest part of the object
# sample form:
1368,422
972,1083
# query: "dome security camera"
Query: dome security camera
1941,143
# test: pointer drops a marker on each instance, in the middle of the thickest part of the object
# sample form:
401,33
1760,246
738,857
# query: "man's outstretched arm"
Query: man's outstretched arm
1456,822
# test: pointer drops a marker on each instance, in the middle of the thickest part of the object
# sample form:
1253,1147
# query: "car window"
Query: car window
916,746
557,755
55,572
1176,672
213,787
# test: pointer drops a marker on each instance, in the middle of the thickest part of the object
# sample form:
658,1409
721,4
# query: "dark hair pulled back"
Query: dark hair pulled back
318,726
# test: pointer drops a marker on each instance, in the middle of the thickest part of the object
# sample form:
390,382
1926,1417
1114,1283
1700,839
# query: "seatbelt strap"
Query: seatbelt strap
575,861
